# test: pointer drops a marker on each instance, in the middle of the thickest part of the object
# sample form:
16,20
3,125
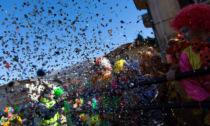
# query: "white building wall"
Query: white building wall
17,97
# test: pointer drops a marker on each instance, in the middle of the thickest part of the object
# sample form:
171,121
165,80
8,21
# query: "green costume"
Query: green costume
53,121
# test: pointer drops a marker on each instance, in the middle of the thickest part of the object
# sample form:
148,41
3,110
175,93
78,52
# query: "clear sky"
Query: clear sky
52,34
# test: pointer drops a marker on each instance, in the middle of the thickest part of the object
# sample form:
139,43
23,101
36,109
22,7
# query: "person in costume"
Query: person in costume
48,109
30,114
176,46
21,111
91,118
119,81
101,75
10,118
176,92
145,64
193,22
151,64
101,80
65,113
140,95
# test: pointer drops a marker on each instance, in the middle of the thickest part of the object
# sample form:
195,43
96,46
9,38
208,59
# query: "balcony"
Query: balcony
140,4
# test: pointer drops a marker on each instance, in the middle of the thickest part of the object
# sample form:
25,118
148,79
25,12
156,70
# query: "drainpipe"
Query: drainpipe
160,20
163,31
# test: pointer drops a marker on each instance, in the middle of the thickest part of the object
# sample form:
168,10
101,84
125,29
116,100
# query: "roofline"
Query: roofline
20,81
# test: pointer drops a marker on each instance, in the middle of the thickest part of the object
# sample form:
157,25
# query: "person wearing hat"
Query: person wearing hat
193,22
48,109
66,114
100,81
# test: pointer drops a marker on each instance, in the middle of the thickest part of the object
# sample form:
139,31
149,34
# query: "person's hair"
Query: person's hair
195,16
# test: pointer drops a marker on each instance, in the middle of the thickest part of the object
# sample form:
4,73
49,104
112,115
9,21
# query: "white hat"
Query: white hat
104,62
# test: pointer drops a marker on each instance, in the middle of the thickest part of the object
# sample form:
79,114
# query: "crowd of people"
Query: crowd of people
114,92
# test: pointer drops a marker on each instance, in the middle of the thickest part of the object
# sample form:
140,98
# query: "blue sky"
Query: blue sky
48,34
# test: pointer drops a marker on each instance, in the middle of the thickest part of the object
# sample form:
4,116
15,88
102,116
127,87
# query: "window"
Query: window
183,3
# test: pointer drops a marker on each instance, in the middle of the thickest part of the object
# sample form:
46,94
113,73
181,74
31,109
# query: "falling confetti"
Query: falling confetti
7,66
110,32
42,39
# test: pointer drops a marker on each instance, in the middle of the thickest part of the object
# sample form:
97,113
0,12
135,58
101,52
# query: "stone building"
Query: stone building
159,16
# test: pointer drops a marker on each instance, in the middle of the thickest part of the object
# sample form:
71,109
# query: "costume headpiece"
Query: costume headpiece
195,16
104,63
118,66
58,92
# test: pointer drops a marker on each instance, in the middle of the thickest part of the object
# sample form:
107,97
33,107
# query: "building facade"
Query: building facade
159,16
